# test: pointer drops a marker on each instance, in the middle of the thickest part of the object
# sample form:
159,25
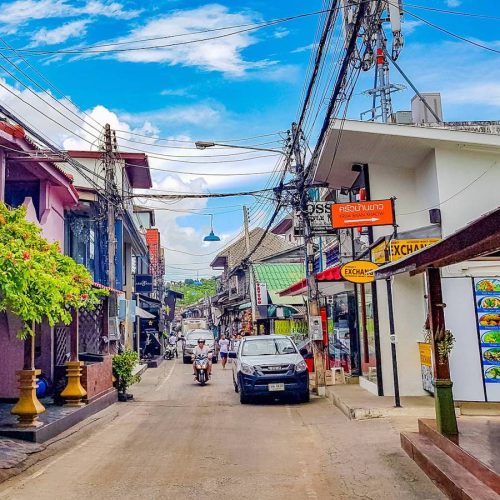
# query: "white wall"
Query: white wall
409,318
460,318
468,183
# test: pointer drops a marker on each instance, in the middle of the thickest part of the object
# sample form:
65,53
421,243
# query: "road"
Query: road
179,440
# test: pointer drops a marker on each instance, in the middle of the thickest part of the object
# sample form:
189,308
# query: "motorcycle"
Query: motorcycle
171,351
201,369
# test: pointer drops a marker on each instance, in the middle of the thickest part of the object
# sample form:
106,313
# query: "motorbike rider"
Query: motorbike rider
202,350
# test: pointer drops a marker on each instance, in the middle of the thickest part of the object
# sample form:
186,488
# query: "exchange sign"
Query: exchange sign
398,249
362,214
359,271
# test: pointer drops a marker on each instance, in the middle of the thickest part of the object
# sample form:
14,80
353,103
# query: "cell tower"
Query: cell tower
373,51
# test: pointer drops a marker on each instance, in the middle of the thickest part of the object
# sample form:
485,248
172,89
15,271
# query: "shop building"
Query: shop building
441,178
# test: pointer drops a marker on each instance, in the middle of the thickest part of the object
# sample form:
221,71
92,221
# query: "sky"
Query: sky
245,89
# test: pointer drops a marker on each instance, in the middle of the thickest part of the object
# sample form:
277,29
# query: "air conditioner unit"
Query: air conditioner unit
114,328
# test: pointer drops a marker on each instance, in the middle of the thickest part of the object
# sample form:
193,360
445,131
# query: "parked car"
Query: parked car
191,340
269,365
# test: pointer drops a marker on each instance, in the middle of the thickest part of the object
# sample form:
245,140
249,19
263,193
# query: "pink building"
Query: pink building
26,178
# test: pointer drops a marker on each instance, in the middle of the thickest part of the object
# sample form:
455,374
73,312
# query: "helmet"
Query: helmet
201,340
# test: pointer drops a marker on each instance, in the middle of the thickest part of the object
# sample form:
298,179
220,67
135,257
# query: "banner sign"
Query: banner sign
261,294
487,301
397,249
320,216
170,301
359,271
362,214
143,283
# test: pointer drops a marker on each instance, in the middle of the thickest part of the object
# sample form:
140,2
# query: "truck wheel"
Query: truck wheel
244,399
305,397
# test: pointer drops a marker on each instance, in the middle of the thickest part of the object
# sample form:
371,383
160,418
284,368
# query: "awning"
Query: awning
141,313
480,238
300,288
246,305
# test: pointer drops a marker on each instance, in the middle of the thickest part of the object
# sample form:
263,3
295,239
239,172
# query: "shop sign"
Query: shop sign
261,294
320,217
315,328
143,283
487,299
362,214
398,249
359,271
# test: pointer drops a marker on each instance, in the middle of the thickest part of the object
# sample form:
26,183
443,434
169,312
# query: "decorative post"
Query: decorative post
28,407
443,396
74,392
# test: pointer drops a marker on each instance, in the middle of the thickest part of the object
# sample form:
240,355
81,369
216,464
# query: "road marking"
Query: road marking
167,377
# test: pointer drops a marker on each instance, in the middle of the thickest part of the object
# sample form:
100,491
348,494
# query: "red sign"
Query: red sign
362,214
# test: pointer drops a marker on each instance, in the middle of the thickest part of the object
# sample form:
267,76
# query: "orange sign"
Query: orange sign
362,214
359,271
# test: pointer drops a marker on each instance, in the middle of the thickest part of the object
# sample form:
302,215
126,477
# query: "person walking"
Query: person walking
223,350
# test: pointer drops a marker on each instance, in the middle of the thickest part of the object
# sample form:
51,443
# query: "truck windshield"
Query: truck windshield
268,347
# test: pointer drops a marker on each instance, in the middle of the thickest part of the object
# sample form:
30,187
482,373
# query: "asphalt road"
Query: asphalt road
180,440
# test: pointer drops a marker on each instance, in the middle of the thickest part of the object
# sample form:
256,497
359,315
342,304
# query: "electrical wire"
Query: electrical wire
252,27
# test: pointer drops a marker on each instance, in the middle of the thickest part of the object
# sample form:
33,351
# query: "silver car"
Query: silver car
191,341
269,365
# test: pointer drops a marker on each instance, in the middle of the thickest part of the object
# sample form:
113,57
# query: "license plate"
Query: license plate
276,387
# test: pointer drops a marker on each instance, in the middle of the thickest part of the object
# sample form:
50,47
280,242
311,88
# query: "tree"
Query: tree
194,292
37,282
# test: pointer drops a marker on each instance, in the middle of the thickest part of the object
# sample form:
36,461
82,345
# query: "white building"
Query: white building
424,168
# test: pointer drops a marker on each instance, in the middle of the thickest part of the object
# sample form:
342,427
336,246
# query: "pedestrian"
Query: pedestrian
223,350
236,343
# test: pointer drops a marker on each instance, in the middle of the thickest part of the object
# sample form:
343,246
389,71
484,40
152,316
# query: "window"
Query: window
17,191
268,347
82,242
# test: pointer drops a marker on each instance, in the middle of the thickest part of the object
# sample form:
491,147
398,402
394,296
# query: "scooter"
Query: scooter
201,369
170,351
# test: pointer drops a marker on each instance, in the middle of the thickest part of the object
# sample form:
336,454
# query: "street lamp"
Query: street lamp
209,144
211,236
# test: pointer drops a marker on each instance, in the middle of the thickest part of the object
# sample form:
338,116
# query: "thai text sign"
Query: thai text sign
261,294
359,271
362,214
398,249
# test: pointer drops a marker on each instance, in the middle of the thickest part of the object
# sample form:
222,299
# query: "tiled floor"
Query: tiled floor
51,414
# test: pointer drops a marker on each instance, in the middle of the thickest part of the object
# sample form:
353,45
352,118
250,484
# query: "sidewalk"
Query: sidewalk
359,404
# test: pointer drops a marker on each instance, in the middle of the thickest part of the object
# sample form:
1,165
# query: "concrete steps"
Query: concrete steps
460,475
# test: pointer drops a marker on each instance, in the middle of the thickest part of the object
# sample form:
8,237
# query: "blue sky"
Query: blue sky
235,87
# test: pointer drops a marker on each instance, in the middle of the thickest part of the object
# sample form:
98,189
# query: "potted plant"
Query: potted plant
123,370
37,283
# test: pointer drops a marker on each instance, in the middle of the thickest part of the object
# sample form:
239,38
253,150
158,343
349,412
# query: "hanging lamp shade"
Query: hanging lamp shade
211,236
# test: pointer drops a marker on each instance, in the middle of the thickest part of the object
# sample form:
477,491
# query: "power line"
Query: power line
252,27
453,12
454,35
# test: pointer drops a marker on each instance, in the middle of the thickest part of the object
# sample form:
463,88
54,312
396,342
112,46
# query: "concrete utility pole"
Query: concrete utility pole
312,284
110,189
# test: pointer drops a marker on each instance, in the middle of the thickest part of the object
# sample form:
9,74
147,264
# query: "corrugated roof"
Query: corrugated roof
271,245
277,277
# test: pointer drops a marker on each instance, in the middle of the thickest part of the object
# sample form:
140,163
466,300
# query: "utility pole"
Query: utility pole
110,189
312,284
245,226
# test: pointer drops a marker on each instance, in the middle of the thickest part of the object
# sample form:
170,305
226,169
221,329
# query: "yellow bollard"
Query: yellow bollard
74,392
28,407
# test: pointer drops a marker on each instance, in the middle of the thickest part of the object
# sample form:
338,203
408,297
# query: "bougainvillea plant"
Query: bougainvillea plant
37,281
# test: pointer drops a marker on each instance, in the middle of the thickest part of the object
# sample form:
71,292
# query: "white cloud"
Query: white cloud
75,29
175,233
453,3
175,92
197,114
19,12
222,54
305,48
410,26
281,33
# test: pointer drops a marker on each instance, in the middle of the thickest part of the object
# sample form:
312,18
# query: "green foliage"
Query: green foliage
194,292
123,366
37,282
